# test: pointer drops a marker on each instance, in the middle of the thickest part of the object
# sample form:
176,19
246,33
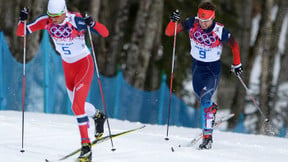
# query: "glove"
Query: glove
89,21
175,16
23,15
237,69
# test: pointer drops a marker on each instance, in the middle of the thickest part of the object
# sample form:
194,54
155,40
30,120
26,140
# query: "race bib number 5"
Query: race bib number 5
66,51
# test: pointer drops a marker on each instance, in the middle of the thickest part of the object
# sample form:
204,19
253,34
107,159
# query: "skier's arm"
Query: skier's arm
101,29
95,26
38,24
169,31
184,25
229,39
235,50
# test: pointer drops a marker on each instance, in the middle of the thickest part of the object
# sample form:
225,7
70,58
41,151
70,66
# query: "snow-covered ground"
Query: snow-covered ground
50,136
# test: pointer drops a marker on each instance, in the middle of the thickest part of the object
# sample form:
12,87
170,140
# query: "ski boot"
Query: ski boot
86,153
99,120
206,142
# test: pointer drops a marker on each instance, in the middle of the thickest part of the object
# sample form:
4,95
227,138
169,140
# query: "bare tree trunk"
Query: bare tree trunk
10,16
133,54
104,16
284,59
117,39
153,74
9,20
142,43
94,8
252,116
267,59
278,112
33,40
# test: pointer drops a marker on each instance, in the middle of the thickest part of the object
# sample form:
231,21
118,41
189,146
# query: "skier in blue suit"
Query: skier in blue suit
206,39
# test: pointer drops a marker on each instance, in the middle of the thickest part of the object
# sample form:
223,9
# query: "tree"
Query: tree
279,111
142,44
119,31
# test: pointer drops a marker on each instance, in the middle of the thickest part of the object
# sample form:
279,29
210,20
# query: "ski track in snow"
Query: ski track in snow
51,136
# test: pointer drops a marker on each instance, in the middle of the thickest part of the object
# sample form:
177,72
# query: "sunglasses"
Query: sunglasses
54,15
204,20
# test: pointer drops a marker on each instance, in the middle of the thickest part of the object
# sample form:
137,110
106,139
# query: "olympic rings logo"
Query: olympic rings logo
61,31
204,38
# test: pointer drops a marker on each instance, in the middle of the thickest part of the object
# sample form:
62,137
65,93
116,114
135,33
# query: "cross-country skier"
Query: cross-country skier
206,39
67,32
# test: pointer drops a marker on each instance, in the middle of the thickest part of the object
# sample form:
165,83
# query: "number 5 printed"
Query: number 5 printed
202,54
66,50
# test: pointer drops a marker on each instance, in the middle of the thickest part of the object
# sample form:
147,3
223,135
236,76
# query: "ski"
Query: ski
98,141
200,135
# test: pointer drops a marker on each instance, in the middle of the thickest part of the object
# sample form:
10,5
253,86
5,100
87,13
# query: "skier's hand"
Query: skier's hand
89,21
237,69
23,15
175,16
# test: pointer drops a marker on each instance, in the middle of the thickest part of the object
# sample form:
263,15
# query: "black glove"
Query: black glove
23,15
175,16
237,69
89,21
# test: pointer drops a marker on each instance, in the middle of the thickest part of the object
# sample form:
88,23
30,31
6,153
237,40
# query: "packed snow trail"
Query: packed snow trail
51,136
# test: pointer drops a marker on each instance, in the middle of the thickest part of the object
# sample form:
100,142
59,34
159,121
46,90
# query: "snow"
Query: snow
255,28
282,37
52,136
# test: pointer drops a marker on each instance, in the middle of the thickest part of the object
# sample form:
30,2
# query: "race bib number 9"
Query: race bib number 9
202,54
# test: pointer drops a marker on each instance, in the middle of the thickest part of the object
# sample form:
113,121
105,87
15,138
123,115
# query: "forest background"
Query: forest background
138,46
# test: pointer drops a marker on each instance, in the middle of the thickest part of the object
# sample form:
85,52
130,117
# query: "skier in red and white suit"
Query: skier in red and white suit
67,32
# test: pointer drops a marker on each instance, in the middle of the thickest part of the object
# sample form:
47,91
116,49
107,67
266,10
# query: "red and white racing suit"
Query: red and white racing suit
69,40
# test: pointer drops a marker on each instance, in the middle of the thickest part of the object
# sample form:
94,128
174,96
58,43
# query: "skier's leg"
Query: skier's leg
82,118
208,112
98,117
205,81
82,81
78,77
204,87
90,110
79,111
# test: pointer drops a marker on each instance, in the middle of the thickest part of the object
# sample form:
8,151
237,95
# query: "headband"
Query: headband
205,15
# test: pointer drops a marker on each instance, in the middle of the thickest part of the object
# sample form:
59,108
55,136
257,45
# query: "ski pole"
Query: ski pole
252,97
100,85
171,81
23,101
